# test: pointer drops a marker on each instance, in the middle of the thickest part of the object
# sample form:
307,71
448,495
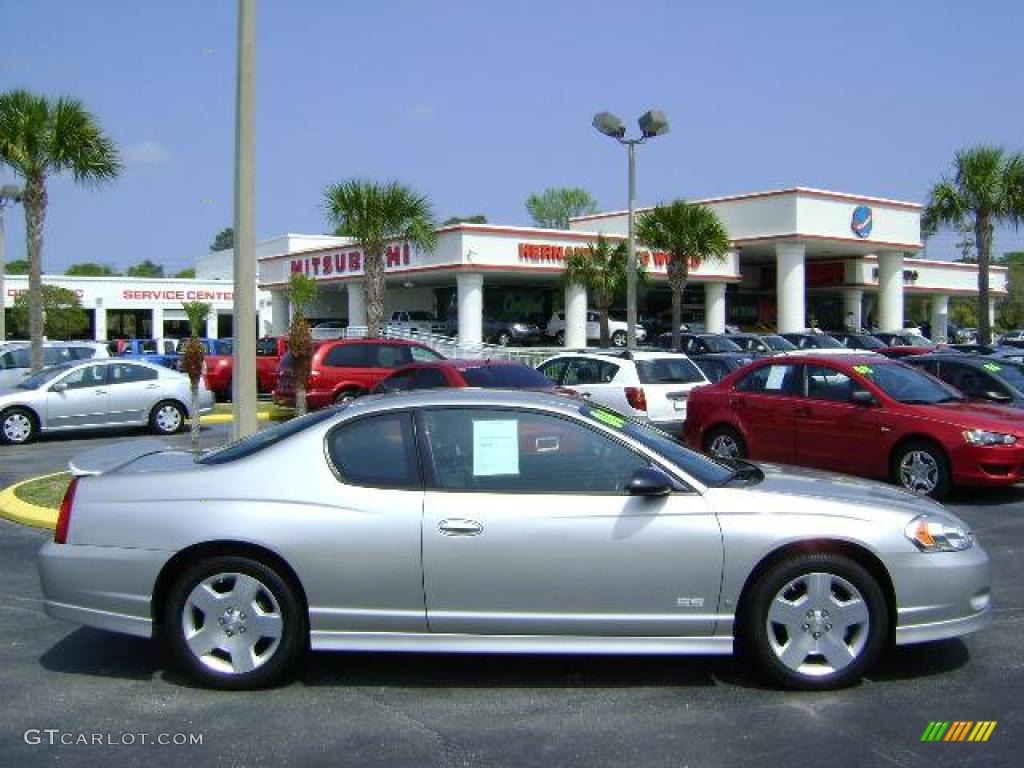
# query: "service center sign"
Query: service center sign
142,294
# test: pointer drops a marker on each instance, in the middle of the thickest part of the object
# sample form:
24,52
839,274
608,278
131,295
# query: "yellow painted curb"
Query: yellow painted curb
18,511
224,418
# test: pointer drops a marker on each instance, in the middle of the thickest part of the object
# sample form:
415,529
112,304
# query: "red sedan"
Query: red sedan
504,374
862,415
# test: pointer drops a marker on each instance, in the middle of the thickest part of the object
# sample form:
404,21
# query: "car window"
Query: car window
168,347
57,355
16,358
971,381
673,370
348,356
266,348
714,370
508,376
906,384
510,451
424,355
553,370
389,356
378,451
398,381
430,378
720,344
769,380
85,377
825,383
265,438
778,343
124,373
589,371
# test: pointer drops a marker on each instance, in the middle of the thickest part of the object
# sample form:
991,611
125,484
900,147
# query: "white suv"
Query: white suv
616,329
652,386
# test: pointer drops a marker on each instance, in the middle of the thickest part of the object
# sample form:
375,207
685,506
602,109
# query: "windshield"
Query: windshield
867,342
821,341
506,376
708,471
1011,373
45,376
420,316
721,344
913,340
778,343
265,438
907,385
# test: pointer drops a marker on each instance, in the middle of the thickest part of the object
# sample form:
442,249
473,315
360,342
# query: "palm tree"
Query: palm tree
192,360
374,214
689,233
301,292
39,138
987,188
601,269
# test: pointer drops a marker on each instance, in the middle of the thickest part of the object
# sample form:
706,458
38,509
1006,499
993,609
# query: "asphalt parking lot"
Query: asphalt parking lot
431,710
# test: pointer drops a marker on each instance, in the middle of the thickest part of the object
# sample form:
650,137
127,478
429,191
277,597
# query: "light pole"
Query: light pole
9,195
652,123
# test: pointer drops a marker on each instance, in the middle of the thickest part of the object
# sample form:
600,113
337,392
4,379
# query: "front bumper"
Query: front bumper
941,595
997,465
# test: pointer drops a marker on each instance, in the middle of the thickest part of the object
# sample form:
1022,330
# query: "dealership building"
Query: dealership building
797,257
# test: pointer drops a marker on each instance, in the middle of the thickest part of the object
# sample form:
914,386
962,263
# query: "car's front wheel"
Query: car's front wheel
815,622
560,338
17,426
725,443
619,339
235,623
922,467
167,418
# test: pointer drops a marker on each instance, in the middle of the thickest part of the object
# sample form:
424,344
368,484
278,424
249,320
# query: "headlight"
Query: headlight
519,327
981,437
936,534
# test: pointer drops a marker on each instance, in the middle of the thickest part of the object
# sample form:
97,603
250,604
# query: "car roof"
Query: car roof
380,342
621,354
468,396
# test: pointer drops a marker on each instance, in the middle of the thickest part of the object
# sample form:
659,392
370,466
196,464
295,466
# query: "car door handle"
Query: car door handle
460,527
152,386
101,391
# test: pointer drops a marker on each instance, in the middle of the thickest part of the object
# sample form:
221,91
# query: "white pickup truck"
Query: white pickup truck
415,321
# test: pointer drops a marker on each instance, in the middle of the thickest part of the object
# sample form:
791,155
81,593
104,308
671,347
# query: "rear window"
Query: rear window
247,446
506,376
668,371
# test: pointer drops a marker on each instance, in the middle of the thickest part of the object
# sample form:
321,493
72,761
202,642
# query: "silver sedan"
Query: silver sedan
93,394
500,522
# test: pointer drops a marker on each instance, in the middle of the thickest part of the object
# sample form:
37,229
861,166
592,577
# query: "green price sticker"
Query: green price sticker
608,418
992,367
863,370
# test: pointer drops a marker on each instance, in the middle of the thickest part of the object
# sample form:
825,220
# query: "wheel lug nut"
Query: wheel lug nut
828,627
817,635
806,627
228,632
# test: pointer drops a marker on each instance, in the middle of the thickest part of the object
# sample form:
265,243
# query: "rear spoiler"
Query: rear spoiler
111,457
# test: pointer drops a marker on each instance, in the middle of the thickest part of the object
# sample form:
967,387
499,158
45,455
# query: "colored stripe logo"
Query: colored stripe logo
959,730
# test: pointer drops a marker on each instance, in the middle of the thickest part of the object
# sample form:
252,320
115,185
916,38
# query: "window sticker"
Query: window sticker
992,367
611,419
495,448
776,377
864,370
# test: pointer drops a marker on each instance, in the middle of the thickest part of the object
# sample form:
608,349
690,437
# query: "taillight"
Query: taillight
60,533
636,398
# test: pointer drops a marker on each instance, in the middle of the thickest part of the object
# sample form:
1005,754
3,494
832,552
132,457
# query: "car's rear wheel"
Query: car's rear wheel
233,622
17,426
619,339
346,396
167,417
725,443
922,467
815,622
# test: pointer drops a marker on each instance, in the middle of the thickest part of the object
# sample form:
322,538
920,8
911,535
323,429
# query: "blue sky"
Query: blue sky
479,104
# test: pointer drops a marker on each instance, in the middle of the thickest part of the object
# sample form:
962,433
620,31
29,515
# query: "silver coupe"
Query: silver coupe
500,522
94,394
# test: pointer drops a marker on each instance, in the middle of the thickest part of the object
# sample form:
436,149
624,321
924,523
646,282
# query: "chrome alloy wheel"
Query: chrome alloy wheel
168,418
725,447
919,472
17,427
231,623
818,624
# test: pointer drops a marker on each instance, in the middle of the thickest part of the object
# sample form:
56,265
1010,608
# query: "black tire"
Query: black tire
274,598
167,417
560,338
767,645
18,426
619,339
718,440
346,396
504,339
922,467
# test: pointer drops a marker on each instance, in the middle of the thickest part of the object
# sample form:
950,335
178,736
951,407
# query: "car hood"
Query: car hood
974,415
875,499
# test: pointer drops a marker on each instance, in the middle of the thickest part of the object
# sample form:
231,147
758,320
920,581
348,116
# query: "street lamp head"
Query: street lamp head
9,192
609,125
653,123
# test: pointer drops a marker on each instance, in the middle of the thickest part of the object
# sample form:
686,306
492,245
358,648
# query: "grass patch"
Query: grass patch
45,491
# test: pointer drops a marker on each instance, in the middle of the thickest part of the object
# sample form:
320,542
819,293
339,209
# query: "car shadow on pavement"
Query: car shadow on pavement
987,497
88,651
908,662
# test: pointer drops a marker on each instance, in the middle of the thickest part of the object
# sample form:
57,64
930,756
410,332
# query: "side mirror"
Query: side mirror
996,397
60,386
648,481
862,397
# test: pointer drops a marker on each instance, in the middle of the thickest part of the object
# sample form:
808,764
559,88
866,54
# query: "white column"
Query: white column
940,317
100,322
853,301
356,303
992,315
575,316
279,316
470,287
789,287
714,307
890,291
157,323
211,325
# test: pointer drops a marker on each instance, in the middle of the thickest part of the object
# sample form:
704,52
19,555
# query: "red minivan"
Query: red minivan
862,415
348,368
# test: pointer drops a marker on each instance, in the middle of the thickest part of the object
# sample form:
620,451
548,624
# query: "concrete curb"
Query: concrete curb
17,511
